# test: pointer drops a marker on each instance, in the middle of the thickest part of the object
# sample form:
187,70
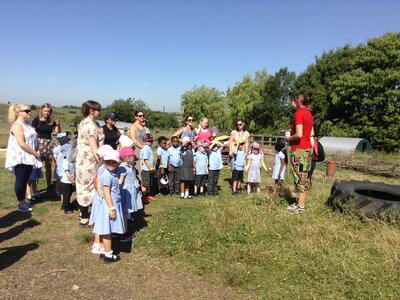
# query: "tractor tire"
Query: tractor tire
368,199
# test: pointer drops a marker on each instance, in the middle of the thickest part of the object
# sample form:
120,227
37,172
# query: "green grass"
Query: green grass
252,244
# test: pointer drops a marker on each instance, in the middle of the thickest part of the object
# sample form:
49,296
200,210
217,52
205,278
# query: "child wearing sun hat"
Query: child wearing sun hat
109,218
131,197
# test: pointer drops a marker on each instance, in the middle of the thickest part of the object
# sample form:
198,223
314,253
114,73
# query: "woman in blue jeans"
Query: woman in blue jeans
22,151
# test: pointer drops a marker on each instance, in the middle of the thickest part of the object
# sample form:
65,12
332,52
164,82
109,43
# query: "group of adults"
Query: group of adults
29,147
31,144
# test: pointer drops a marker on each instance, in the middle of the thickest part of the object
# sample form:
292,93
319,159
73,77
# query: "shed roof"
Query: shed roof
343,145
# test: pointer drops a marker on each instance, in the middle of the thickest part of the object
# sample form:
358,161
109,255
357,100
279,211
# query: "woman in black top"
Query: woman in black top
111,132
44,127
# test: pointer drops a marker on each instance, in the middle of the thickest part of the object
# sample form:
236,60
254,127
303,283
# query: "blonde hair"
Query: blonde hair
13,111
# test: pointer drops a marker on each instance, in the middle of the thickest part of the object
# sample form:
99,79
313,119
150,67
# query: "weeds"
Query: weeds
84,238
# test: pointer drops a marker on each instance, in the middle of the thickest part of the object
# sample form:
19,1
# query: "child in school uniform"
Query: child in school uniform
201,165
238,168
148,167
97,199
214,167
174,163
131,197
110,217
162,162
59,152
187,167
279,167
255,160
67,184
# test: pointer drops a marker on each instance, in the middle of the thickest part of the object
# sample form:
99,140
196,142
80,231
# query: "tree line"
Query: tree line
354,93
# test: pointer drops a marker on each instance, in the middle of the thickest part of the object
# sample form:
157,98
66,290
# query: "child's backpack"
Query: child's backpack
321,152
73,150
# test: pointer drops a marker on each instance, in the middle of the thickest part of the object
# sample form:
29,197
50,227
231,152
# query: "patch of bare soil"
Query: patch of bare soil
370,166
44,257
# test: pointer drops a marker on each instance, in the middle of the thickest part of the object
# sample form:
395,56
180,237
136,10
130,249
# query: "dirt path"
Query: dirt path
44,257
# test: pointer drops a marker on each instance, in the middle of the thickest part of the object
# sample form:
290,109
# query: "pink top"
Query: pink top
204,136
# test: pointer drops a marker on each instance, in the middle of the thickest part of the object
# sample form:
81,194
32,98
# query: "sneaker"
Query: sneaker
189,197
68,212
24,207
297,209
292,206
110,259
124,238
97,249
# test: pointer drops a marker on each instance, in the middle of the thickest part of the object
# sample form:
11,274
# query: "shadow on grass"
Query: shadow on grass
133,227
13,232
13,217
13,254
288,196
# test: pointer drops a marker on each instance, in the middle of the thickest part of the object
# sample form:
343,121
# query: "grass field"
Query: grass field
225,247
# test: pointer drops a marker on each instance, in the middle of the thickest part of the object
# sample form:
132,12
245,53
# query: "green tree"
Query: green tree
245,97
273,113
355,91
161,120
125,109
206,102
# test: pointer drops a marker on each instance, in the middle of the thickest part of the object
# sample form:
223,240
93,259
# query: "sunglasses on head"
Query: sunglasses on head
26,111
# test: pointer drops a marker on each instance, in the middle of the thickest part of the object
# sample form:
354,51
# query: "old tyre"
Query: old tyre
367,199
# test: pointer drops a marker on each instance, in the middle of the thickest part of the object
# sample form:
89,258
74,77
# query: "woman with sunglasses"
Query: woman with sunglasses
45,126
22,151
137,130
238,136
90,138
187,130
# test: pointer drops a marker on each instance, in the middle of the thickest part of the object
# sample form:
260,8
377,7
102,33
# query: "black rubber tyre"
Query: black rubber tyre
368,199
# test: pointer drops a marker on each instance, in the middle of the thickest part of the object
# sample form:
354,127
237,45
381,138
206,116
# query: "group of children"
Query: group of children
188,164
198,164
122,186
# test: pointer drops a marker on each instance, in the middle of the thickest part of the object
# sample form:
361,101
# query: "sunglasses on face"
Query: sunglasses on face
140,116
26,111
239,124
190,120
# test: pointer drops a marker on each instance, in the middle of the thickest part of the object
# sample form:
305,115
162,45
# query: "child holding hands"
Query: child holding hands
279,166
253,167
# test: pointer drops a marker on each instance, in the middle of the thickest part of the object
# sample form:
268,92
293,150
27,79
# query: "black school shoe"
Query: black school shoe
108,260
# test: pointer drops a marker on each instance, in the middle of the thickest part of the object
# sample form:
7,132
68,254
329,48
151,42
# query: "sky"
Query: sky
66,52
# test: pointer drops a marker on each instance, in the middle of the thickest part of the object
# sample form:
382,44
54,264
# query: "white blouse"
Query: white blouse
16,155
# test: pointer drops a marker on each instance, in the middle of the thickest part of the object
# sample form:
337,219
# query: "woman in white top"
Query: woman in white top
22,151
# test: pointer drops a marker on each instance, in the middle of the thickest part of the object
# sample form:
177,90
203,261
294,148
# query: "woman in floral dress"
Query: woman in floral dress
90,139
